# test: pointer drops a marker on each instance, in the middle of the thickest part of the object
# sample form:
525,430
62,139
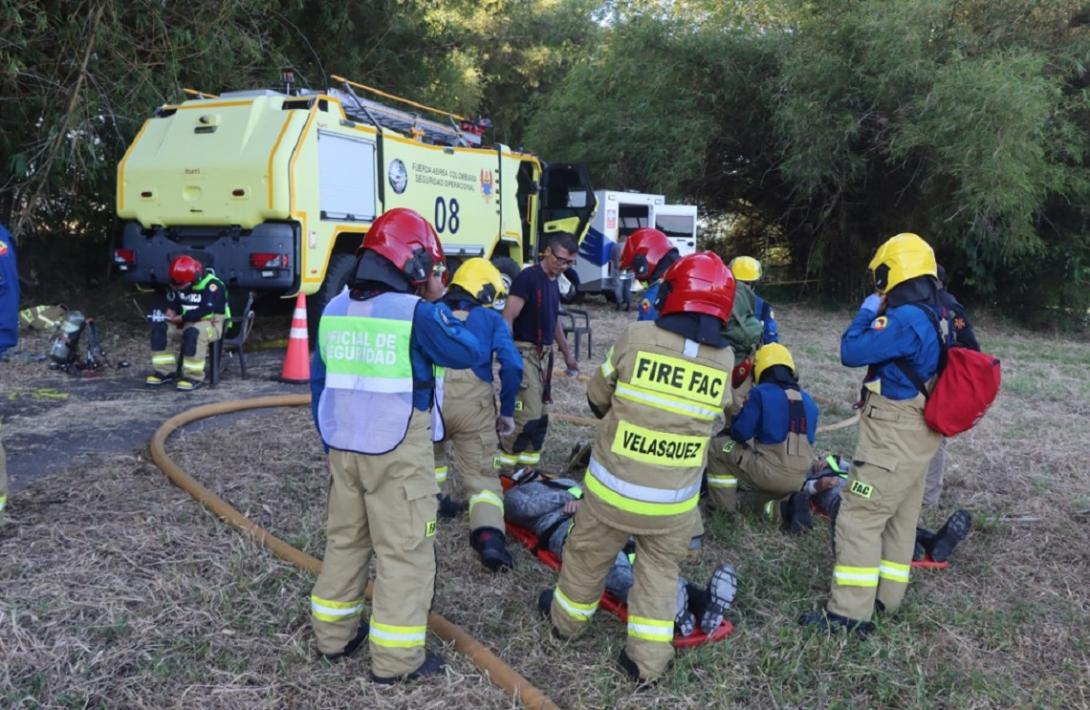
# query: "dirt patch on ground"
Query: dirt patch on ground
120,590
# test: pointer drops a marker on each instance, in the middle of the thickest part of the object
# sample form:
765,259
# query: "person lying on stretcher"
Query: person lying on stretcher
546,506
824,487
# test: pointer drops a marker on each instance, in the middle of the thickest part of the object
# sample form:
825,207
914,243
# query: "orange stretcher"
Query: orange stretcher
609,602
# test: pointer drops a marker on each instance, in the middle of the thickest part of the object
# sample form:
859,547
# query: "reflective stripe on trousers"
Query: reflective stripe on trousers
855,576
659,630
894,571
397,636
329,610
576,610
485,497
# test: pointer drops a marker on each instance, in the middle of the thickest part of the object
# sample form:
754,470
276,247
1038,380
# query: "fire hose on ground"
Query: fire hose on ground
498,672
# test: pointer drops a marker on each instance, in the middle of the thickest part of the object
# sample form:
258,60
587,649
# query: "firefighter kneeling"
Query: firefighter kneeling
770,446
372,386
195,305
660,394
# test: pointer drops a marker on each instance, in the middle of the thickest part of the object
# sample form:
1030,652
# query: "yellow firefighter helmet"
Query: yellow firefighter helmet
481,280
745,268
769,355
902,257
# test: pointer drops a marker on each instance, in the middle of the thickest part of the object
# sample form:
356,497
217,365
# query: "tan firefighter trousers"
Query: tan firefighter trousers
523,448
766,476
469,417
385,504
589,552
876,525
165,362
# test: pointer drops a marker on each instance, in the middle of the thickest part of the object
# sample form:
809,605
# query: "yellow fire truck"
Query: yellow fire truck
275,189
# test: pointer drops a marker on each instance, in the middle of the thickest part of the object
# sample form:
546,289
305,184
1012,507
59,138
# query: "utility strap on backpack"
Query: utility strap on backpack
906,367
796,421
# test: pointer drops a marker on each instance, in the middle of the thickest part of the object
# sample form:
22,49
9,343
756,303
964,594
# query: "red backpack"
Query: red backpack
967,384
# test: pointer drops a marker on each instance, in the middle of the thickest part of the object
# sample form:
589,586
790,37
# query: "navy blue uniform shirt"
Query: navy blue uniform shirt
763,309
536,323
9,292
491,332
765,415
903,331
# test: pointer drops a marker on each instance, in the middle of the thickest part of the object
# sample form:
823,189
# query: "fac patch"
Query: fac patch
429,528
645,305
213,288
3,249
862,489
879,323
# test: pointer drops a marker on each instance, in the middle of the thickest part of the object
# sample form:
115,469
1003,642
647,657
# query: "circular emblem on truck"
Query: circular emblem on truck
399,177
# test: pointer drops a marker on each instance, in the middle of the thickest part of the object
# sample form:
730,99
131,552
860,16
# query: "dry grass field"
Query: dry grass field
117,590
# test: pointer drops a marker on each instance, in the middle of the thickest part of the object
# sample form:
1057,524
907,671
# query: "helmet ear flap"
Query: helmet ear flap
662,295
640,267
486,295
418,268
881,277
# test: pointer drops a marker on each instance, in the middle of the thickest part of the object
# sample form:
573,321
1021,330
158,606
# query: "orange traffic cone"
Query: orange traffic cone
296,362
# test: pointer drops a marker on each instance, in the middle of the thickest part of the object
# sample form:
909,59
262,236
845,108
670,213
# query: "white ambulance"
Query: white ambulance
619,214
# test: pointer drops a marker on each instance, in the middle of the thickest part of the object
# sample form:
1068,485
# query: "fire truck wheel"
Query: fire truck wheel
336,276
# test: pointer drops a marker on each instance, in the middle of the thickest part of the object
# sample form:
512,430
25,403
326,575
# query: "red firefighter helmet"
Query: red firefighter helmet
643,251
408,241
698,283
185,271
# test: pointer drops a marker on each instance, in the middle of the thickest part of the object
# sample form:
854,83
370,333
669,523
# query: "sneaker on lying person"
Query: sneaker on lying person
684,620
722,588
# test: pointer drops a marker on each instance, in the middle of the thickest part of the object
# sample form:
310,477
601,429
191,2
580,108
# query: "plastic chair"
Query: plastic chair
578,325
236,330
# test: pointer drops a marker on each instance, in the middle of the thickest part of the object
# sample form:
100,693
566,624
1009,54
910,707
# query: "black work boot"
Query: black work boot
545,603
829,623
633,672
433,665
351,646
491,545
796,515
952,532
448,507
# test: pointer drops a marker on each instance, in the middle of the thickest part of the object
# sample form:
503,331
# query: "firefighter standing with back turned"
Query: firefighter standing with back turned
193,308
469,415
748,270
372,381
876,526
660,394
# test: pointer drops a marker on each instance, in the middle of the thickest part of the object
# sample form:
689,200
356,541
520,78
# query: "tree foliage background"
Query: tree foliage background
825,127
811,130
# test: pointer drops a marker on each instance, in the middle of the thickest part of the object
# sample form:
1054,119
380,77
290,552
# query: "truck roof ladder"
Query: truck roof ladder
406,122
